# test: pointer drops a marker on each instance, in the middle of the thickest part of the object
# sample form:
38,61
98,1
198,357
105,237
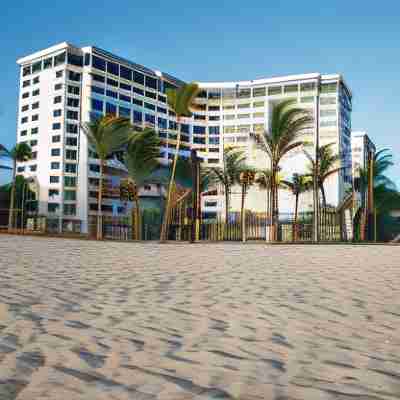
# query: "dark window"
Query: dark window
26,71
25,95
74,59
72,102
112,82
70,168
35,117
73,89
112,68
98,63
36,67
59,74
111,108
199,117
53,192
26,83
151,95
172,125
161,110
185,128
98,78
137,102
70,181
57,99
36,80
35,106
138,77
97,105
33,168
59,59
34,131
94,167
34,155
20,169
199,140
163,99
150,118
72,114
137,116
87,59
23,133
97,90
57,113
74,76
54,179
201,130
71,154
36,92
110,93
214,118
55,152
213,130
125,86
24,120
34,143
25,108
71,141
69,195
56,126
149,106
151,82
56,139
213,108
162,123
55,165
124,112
138,91
125,73
124,98
53,207
214,140
72,128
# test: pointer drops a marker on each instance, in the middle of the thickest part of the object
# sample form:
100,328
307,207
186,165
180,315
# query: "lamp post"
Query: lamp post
195,226
246,179
316,235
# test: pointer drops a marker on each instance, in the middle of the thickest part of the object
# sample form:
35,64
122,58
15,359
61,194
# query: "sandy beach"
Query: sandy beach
84,320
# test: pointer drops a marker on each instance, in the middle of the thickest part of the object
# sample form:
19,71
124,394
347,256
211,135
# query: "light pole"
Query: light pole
316,235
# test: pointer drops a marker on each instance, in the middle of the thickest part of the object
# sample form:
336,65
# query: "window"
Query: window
137,102
69,181
258,92
199,117
94,168
150,119
98,63
161,110
71,102
258,115
111,108
26,83
34,155
33,168
138,91
34,131
308,86
53,207
72,114
162,123
53,192
243,93
308,99
246,105
26,71
214,140
55,165
273,90
111,93
125,98
48,63
59,59
36,67
70,168
20,169
213,150
137,116
149,106
124,112
25,95
112,68
71,154
151,95
328,113
125,86
25,108
35,106
199,140
71,141
75,59
291,88
172,125
125,73
97,105
213,130
36,92
213,108
57,113
58,86
97,90
56,126
23,133
69,209
229,107
257,104
112,82
329,87
36,80
74,76
163,99
35,117
138,77
72,128
328,100
328,123
229,116
151,82
57,99
200,130
59,74
242,116
73,90
70,195
55,152
98,78
54,179
214,118
56,139
33,143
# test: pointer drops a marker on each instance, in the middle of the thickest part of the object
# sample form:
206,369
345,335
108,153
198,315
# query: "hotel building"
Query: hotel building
63,87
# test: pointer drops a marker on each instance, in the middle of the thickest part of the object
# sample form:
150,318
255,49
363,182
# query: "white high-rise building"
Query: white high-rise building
63,87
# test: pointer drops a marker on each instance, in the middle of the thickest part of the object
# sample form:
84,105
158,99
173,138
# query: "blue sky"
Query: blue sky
225,40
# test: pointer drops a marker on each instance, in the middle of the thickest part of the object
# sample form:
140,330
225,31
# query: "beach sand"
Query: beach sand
84,320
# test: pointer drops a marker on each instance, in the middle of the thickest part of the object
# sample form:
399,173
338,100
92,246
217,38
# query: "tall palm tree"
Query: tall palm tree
181,101
288,122
228,176
246,179
299,184
140,158
106,135
19,153
327,166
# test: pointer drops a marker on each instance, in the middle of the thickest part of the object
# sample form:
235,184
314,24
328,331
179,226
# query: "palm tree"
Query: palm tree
141,160
181,101
228,176
299,184
246,179
287,124
328,165
19,153
106,135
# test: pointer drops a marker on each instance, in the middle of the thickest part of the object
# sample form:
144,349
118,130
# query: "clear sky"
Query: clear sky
225,40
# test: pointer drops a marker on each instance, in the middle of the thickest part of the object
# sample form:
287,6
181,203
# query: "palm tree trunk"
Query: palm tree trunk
99,235
242,214
138,225
165,224
296,208
12,196
226,205
323,195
